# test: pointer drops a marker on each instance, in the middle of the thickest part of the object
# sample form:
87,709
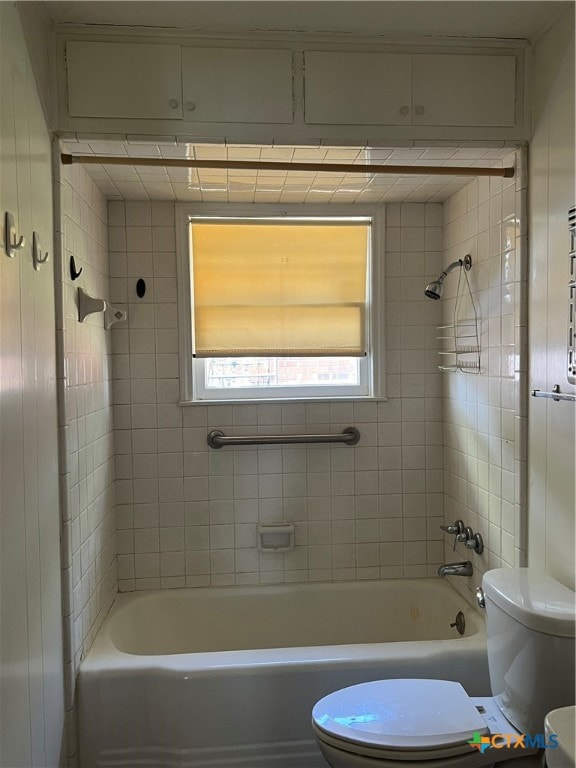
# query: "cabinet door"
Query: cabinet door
124,80
237,85
452,89
357,88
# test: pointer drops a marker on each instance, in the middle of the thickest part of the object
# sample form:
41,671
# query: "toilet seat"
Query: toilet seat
400,719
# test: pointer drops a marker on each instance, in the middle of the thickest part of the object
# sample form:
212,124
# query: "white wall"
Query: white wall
36,27
187,516
551,463
32,712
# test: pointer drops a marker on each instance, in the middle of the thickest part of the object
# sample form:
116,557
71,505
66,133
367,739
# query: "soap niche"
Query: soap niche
275,537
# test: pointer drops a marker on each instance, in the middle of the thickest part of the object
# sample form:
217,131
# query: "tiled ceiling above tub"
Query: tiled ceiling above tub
140,182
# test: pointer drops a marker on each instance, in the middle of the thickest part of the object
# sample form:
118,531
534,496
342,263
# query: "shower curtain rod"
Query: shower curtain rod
263,165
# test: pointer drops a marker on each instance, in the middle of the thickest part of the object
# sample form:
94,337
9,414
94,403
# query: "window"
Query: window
279,302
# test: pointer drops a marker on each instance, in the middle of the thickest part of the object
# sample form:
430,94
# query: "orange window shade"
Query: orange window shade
272,289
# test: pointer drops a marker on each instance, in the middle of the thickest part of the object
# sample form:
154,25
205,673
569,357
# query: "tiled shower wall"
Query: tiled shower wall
85,421
187,515
485,415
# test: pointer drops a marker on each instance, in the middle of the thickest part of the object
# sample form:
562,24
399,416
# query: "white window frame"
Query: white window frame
192,392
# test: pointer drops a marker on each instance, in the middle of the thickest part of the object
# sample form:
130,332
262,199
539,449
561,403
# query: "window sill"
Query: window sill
286,400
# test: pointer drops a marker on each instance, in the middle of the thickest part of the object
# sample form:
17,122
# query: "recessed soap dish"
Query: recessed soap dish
275,537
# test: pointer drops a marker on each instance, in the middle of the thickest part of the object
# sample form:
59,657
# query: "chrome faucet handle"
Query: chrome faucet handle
476,543
448,529
455,529
462,536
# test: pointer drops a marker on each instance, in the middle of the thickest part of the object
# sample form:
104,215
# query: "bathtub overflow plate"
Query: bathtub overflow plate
459,623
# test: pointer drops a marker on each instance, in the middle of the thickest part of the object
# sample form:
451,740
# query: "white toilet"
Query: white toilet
530,625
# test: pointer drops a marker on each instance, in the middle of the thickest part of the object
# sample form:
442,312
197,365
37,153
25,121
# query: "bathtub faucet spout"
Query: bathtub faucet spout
456,569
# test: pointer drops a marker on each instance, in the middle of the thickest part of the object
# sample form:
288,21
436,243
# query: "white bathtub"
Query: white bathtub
222,677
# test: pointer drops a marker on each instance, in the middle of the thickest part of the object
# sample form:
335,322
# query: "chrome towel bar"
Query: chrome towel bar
217,439
554,395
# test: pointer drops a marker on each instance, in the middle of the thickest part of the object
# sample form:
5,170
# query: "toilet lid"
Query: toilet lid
401,714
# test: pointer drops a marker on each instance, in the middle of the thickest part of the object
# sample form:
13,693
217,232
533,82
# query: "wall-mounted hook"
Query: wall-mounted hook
74,274
12,242
37,257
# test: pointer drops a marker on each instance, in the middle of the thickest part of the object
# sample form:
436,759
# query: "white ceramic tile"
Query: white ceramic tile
88,439
139,238
481,476
315,484
138,213
143,183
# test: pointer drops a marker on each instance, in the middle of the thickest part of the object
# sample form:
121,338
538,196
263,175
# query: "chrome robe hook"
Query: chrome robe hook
37,252
12,242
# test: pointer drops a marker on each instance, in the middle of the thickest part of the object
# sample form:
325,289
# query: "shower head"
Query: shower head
434,289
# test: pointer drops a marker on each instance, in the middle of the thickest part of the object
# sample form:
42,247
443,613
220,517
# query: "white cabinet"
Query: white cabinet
357,88
237,85
297,92
452,89
410,89
132,80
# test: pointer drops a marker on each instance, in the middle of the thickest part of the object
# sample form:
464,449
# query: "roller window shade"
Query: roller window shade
273,289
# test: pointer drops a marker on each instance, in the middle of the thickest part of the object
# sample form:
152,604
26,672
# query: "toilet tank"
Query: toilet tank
530,626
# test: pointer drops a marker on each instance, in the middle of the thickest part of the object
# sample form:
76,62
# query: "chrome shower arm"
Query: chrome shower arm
446,271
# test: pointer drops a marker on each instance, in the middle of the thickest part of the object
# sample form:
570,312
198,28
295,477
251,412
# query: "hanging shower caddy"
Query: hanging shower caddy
460,339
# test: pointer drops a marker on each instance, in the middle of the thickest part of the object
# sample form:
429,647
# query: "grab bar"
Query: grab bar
217,439
554,395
